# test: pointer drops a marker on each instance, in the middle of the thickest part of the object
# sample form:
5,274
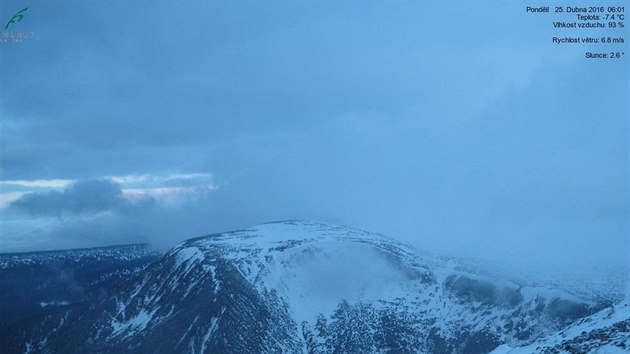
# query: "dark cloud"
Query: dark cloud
81,198
94,99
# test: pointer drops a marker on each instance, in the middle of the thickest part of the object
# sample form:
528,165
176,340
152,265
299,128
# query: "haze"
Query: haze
458,128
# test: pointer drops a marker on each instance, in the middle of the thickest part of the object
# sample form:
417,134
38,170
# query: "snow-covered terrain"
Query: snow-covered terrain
606,332
116,253
40,291
308,287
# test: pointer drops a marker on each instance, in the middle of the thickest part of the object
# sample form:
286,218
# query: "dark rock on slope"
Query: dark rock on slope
305,287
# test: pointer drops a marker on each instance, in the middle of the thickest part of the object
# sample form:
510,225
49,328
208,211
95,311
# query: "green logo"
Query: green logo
17,18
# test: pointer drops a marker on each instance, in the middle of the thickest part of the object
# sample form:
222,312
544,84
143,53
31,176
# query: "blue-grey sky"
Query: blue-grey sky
454,126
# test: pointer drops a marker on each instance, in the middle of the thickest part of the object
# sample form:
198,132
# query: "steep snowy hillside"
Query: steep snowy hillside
306,287
606,332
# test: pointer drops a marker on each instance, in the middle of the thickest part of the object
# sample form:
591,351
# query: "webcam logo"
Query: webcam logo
16,18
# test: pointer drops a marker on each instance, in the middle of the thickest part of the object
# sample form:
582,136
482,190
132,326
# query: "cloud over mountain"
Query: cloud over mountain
80,198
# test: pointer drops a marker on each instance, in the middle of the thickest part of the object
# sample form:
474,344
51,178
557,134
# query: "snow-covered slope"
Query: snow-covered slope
307,287
38,290
121,253
606,332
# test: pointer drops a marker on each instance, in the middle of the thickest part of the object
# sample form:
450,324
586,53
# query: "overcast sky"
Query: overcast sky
456,127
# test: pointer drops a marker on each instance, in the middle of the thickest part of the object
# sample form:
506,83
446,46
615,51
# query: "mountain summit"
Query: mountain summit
308,287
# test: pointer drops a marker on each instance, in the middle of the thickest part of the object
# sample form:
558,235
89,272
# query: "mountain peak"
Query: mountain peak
273,237
309,287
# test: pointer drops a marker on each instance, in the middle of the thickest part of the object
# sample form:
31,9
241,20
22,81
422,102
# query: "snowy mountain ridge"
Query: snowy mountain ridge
308,287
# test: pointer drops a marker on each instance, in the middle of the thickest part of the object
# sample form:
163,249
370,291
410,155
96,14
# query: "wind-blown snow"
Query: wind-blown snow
310,274
133,324
54,303
214,324
188,256
301,261
601,324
